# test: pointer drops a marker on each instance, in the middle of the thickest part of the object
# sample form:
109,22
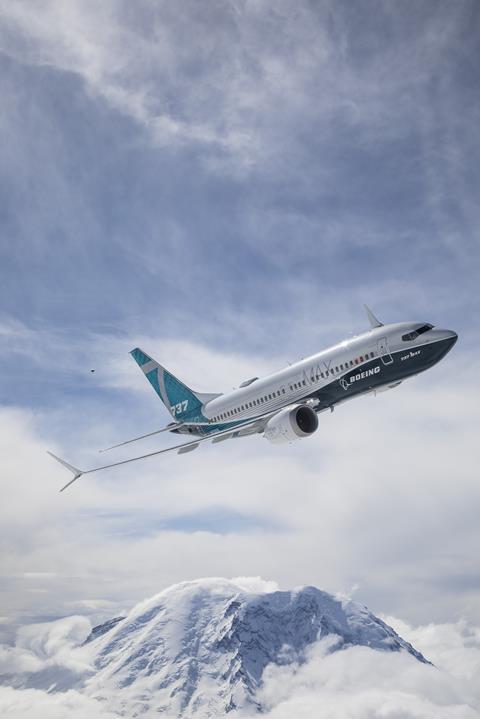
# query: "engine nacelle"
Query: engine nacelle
291,423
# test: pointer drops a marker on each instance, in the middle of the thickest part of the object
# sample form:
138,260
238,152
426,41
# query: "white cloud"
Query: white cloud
237,79
356,682
52,642
256,585
362,684
453,647
326,511
46,645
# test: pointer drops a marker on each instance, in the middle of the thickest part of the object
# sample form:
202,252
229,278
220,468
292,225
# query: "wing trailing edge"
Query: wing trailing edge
238,430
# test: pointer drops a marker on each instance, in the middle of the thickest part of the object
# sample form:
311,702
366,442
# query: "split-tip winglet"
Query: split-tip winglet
374,321
75,471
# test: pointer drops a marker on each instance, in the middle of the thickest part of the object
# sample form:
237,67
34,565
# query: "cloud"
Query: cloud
245,507
256,585
356,682
191,171
52,642
225,188
363,684
217,79
40,647
453,646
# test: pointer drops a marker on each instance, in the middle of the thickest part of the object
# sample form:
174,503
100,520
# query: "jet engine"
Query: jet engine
291,423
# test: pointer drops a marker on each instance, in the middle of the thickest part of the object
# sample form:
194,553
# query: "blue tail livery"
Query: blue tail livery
183,403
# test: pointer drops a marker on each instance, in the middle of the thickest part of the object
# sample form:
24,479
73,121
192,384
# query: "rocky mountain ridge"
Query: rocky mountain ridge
200,648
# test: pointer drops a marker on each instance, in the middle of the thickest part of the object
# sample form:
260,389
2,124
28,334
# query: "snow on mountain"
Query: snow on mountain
200,648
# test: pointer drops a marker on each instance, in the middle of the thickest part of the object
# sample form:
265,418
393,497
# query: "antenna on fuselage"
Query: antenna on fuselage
374,322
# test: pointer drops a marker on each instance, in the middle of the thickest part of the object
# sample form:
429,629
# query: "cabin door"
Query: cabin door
383,351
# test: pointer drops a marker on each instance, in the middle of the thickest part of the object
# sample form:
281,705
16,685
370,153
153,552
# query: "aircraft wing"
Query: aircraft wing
169,428
248,427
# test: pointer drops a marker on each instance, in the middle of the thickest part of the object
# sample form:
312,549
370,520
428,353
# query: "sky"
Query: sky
225,185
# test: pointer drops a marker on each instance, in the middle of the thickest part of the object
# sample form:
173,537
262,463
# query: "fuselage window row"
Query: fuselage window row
296,385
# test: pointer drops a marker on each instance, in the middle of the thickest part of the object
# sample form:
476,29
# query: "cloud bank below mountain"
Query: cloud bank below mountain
357,682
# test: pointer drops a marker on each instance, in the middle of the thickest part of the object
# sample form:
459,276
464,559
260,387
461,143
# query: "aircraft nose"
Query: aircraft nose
448,336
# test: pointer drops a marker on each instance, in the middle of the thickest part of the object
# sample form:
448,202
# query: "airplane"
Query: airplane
285,405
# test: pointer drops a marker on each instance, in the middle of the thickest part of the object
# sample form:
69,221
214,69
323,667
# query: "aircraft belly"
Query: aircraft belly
376,373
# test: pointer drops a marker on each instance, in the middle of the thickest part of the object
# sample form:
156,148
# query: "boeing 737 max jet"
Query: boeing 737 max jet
284,406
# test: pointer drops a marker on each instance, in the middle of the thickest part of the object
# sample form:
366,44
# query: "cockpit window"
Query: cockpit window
419,331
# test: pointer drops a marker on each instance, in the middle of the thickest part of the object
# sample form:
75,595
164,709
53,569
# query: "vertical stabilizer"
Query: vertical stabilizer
183,403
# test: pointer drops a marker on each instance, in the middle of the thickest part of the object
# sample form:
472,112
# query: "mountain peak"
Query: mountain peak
203,645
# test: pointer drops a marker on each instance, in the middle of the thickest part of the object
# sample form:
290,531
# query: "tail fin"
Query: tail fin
183,403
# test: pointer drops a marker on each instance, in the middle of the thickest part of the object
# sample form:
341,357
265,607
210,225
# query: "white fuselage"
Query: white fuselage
367,361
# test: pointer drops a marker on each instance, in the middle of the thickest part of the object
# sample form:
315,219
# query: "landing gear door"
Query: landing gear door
383,351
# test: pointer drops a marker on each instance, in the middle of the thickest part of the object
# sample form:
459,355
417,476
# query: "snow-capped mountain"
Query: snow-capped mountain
200,648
